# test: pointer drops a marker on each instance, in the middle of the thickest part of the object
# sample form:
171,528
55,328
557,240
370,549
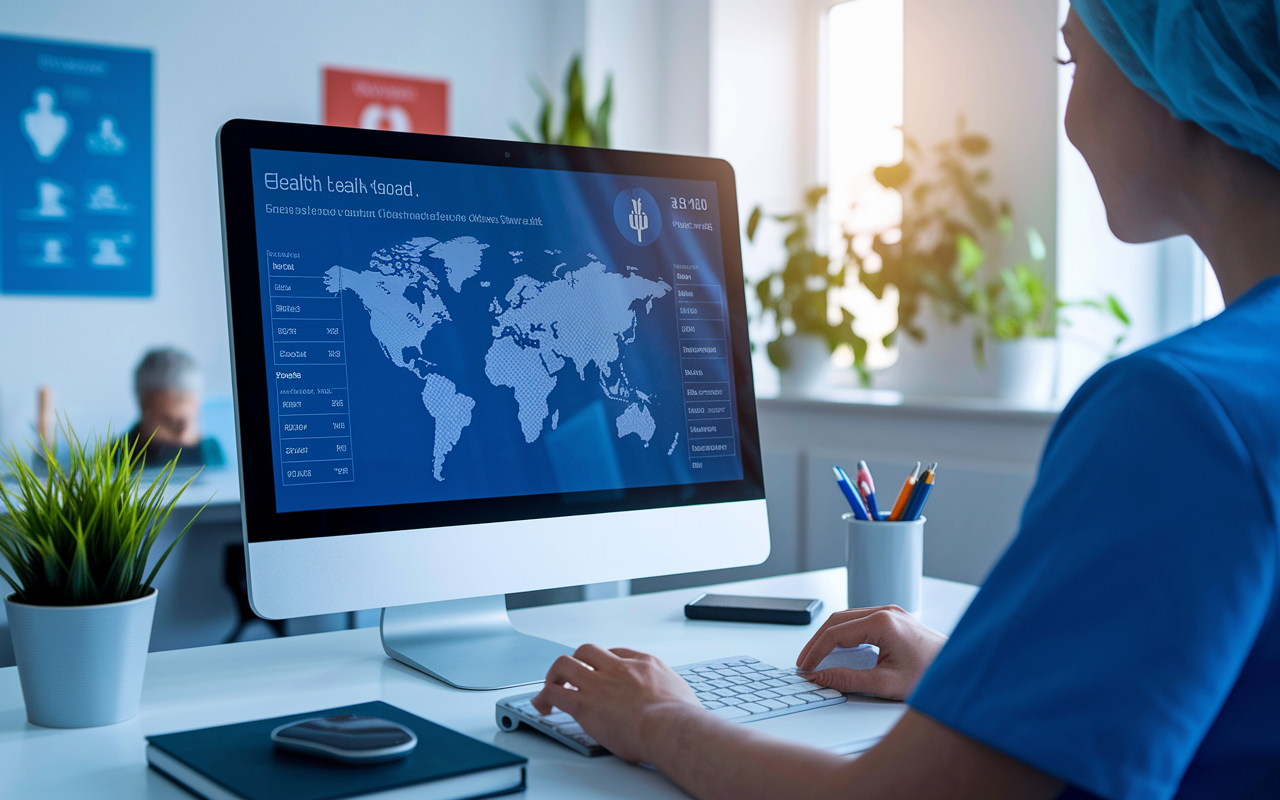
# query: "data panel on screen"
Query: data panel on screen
443,331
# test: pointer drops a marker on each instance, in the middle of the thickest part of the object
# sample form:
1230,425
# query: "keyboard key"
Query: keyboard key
719,684
771,682
749,697
573,730
795,688
729,712
827,694
808,697
710,704
558,718
725,692
754,708
773,704
794,679
749,660
791,701
731,700
766,693
738,680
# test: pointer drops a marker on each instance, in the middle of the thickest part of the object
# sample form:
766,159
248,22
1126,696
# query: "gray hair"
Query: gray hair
167,368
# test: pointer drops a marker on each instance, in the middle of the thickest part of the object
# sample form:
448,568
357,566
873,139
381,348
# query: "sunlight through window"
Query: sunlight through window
863,102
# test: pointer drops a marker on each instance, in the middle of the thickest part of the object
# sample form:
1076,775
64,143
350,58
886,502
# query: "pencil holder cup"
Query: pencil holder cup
886,563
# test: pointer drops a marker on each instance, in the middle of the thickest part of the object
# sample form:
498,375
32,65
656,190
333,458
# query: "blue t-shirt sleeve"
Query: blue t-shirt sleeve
1106,640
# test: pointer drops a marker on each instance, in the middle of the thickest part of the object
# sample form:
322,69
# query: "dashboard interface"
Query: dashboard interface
444,331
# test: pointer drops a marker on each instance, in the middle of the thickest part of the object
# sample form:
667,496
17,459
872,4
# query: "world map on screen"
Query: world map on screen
543,333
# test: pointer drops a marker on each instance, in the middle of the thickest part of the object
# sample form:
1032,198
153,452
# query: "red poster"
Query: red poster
385,102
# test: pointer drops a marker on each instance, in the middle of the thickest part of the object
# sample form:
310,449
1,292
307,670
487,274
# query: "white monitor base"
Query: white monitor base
469,644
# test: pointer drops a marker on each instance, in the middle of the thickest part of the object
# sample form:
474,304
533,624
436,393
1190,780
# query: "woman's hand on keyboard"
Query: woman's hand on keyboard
612,694
907,648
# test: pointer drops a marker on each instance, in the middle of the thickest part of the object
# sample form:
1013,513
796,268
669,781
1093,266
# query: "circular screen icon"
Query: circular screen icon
637,216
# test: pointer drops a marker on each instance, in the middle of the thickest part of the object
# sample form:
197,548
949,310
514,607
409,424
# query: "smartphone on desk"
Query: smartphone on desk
736,608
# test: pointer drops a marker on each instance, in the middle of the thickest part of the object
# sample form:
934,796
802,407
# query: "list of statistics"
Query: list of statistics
308,348
704,364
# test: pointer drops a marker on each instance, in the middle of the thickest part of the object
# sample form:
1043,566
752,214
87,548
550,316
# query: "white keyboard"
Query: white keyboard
741,689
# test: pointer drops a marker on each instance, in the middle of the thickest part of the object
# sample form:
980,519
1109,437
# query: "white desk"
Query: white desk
233,683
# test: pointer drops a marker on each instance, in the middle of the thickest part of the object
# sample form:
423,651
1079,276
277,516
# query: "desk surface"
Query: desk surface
219,685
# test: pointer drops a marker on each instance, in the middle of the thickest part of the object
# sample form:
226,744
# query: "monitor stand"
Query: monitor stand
469,643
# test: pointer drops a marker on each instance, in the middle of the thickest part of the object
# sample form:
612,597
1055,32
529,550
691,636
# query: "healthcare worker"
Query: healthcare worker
1128,643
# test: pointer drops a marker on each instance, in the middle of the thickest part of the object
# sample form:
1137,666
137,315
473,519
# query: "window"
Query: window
861,128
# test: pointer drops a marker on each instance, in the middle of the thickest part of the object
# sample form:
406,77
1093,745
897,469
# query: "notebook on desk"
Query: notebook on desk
239,762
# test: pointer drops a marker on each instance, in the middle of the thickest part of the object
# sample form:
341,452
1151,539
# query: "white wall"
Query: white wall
657,52
236,58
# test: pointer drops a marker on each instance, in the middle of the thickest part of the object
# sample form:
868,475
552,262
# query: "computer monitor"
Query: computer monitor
465,368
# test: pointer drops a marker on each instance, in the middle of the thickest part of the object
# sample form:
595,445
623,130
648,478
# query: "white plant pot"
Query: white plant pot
941,365
81,666
809,360
1025,369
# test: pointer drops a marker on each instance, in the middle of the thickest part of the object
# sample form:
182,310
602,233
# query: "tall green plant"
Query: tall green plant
579,126
82,534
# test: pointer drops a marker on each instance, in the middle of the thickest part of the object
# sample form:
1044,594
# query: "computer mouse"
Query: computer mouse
347,739
864,656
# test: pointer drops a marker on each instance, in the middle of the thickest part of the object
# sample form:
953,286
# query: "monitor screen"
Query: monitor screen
461,339
457,331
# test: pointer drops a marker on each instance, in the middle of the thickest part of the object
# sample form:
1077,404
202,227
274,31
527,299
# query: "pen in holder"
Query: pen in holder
885,561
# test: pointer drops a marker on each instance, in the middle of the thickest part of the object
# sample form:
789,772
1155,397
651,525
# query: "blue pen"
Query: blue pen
925,485
851,494
867,488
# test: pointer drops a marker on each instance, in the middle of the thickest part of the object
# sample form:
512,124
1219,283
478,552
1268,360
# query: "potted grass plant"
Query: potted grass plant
77,540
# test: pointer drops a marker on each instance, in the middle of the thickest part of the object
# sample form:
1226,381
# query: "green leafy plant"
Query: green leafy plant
946,213
579,126
938,252
82,533
1015,303
797,296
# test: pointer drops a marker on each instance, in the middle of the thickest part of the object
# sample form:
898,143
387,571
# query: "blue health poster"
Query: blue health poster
75,188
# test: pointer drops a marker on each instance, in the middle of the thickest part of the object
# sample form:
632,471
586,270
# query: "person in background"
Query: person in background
169,388
1127,645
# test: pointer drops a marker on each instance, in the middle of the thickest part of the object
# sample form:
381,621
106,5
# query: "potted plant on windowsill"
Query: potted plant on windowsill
76,542
938,258
809,323
1019,321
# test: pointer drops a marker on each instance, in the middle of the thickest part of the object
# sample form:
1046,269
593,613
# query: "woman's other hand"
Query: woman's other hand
620,697
907,648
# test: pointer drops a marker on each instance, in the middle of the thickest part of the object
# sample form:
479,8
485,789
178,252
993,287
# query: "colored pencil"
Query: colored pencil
900,504
923,487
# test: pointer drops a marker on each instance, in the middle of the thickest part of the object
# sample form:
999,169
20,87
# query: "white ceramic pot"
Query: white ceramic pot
81,666
1025,369
941,365
809,360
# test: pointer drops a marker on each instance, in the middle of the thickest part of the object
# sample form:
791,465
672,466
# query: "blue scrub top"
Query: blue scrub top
1128,642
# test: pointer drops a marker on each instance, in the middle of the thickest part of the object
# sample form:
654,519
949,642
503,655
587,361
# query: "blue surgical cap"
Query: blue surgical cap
1212,62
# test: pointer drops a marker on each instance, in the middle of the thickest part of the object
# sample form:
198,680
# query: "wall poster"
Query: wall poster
75,186
377,101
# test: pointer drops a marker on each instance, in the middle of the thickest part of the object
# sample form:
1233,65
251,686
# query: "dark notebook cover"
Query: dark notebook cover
243,759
